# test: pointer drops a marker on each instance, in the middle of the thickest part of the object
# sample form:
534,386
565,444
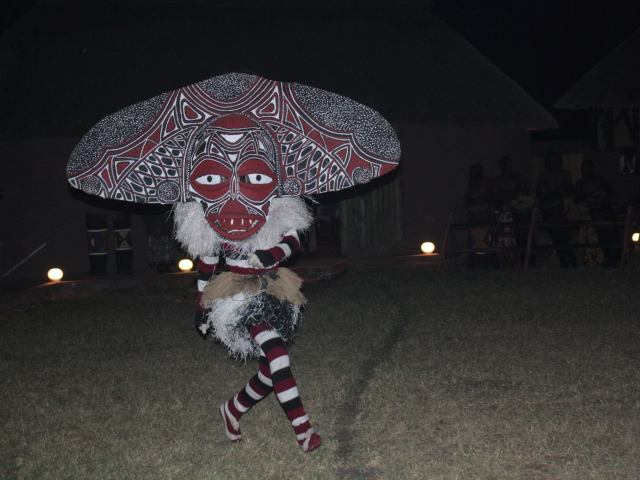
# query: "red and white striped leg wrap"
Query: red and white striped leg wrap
284,384
258,387
310,441
231,424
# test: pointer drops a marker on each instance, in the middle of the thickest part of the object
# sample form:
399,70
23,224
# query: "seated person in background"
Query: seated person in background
478,200
594,192
629,161
478,208
511,194
554,188
508,185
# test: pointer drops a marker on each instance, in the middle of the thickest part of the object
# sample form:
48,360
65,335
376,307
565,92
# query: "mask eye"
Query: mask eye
211,179
256,179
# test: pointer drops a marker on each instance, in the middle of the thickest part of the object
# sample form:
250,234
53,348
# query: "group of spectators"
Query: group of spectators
507,201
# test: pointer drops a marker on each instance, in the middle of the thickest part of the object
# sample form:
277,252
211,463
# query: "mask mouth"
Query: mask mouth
235,227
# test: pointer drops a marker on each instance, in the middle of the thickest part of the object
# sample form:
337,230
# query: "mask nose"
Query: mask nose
234,208
234,186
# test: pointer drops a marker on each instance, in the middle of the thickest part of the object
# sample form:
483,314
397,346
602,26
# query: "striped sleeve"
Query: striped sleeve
206,268
289,244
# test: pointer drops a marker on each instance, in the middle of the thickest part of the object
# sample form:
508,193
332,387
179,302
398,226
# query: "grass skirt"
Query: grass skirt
238,301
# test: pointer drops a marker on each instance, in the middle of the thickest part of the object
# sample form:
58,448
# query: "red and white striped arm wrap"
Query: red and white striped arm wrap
289,244
206,268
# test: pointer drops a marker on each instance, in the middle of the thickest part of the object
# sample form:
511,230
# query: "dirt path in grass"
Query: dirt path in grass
350,410
456,386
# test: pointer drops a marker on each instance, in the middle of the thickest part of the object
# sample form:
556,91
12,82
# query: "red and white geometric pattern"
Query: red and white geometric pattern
325,142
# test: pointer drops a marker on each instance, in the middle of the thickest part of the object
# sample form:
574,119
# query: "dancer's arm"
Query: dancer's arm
206,267
271,257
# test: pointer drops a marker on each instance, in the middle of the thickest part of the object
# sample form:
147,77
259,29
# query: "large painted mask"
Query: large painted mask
234,174
233,143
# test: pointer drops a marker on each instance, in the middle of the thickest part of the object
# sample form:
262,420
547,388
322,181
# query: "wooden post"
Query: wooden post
625,237
532,228
445,238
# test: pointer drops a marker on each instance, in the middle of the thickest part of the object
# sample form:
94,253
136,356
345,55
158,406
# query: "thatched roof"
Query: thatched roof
68,64
614,82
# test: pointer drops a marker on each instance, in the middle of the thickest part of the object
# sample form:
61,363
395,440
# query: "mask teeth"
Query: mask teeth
230,224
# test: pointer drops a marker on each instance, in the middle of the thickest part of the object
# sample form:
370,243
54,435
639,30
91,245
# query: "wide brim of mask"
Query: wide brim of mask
326,142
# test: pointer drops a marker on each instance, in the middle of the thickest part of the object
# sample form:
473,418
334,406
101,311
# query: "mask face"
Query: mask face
233,173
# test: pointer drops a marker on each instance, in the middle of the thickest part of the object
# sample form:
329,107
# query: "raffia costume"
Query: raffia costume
236,154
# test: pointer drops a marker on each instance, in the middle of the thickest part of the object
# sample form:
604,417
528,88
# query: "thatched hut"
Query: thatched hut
610,89
611,92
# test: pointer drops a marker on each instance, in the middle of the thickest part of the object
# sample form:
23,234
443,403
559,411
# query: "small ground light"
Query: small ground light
55,274
635,237
185,265
428,247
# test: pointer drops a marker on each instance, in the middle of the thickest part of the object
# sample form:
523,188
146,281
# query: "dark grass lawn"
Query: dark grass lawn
408,372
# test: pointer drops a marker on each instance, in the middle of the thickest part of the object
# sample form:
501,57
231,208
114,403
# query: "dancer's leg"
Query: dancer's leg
257,388
284,384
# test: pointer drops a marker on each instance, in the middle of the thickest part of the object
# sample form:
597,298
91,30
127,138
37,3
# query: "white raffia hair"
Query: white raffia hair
196,236
223,319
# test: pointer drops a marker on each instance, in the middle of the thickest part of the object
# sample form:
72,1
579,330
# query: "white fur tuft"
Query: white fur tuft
223,318
192,230
196,236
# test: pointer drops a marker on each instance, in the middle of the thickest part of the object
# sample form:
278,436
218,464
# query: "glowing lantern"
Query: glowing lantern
185,265
635,237
428,247
55,274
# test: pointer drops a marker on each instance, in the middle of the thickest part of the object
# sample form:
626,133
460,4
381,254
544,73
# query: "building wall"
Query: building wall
371,218
434,170
38,207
